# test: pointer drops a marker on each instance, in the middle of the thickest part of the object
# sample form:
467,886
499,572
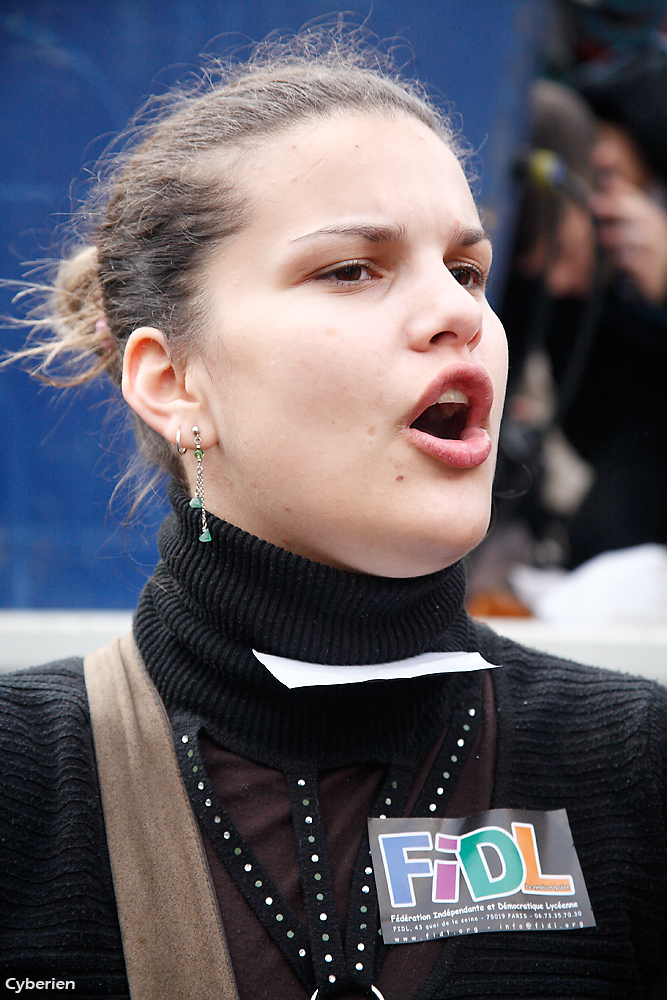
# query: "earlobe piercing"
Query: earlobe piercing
198,499
181,451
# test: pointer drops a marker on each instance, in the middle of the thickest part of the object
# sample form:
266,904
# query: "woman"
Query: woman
287,281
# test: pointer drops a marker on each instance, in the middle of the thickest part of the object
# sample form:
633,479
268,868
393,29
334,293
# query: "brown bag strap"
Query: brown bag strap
173,940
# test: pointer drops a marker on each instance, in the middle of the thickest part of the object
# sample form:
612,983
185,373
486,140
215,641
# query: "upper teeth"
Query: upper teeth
453,396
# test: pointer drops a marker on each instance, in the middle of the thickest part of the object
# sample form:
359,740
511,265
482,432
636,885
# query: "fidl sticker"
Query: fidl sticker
502,870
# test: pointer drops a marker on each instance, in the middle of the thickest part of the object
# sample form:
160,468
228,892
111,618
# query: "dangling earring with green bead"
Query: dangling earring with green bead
198,499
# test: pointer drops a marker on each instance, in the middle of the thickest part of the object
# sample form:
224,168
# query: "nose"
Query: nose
445,312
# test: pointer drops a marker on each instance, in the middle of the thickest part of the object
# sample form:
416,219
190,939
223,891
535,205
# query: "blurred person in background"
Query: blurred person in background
587,294
584,306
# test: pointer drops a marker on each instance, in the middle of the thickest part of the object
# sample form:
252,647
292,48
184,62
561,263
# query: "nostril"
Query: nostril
472,341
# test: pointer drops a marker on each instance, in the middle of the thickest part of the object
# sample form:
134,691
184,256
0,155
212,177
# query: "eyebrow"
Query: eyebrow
463,236
373,234
467,236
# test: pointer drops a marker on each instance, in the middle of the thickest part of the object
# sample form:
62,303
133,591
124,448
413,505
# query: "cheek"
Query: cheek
493,354
503,371
313,377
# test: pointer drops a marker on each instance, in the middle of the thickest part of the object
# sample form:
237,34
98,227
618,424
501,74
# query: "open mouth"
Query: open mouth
447,418
450,421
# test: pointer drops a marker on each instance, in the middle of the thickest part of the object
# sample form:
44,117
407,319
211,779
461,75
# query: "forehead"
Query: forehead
381,168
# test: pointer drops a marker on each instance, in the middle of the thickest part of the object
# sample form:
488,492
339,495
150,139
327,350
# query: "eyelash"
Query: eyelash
348,265
476,275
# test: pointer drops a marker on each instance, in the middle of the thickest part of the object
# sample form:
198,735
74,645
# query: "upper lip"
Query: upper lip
473,379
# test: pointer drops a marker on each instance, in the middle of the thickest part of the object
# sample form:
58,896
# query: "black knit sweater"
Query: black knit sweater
569,737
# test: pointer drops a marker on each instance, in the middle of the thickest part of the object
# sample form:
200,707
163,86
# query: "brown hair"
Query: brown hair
157,214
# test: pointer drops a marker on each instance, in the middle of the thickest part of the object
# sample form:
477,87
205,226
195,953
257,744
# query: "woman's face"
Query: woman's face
352,372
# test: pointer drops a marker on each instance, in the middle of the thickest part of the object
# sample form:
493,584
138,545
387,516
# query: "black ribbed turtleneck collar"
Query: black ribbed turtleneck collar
208,605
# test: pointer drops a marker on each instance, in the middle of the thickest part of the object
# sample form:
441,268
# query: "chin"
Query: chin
438,555
446,535
426,549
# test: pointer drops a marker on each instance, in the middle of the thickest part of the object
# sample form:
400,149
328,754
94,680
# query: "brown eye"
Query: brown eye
464,275
353,272
350,272
469,277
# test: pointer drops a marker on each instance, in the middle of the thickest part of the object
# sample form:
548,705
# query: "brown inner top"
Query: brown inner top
257,801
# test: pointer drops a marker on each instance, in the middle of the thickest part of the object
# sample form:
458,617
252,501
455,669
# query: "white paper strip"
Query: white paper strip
297,673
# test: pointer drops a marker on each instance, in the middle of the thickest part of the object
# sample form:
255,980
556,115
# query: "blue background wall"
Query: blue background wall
71,74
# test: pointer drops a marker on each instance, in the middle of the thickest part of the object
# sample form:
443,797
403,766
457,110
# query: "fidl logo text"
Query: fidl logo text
514,858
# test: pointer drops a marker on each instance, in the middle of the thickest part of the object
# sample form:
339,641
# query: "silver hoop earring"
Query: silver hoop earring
181,451
198,499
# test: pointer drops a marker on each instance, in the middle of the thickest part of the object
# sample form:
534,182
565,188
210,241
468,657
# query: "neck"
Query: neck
208,606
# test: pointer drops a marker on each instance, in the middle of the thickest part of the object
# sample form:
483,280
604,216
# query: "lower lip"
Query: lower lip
471,450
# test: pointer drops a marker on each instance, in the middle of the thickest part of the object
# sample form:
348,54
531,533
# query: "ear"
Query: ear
155,387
